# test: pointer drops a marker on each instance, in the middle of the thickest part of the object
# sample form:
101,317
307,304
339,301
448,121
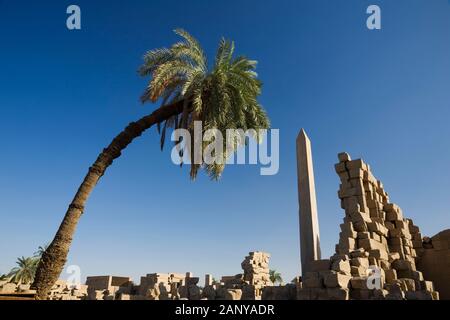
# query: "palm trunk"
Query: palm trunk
54,258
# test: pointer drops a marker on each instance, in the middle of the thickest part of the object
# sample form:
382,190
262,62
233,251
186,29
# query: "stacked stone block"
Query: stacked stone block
256,269
375,242
256,274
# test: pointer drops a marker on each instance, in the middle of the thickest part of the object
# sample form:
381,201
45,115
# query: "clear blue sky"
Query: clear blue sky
381,95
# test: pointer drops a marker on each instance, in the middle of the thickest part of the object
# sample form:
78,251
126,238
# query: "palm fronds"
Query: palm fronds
222,97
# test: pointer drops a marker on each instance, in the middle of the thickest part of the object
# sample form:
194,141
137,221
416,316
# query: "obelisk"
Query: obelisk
309,223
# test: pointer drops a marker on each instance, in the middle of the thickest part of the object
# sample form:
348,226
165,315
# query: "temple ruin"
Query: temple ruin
381,254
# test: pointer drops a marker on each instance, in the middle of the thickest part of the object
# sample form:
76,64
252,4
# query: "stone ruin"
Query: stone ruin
380,255
256,271
375,237
108,287
434,262
61,290
246,286
177,286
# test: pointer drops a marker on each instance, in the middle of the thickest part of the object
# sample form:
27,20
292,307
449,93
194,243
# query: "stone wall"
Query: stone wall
434,262
376,254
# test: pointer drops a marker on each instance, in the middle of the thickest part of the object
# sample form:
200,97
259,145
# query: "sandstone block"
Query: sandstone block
393,256
359,253
336,280
377,228
359,262
363,235
319,265
341,266
391,276
358,271
403,265
385,265
347,244
379,254
409,284
312,280
426,286
359,283
338,294
370,244
340,167
344,157
361,294
394,215
360,226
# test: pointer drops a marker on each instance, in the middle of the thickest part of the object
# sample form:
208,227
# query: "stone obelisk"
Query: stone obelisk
309,223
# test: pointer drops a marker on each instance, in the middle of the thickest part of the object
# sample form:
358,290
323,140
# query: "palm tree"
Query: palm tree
275,277
25,271
4,277
224,96
40,251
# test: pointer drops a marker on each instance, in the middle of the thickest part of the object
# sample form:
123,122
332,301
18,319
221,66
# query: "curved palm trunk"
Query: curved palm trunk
54,258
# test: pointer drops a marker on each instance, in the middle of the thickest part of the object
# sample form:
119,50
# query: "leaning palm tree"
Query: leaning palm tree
221,97
24,272
275,277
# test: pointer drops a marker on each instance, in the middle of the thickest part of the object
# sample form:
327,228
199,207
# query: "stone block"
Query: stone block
359,283
393,256
391,276
336,280
385,265
340,167
403,265
377,228
379,254
426,286
394,215
417,244
409,284
341,266
356,164
416,295
356,173
359,216
359,262
360,226
373,261
312,280
435,295
8,288
363,235
338,294
375,236
344,157
361,294
389,225
417,275
370,244
319,265
358,271
304,294
209,292
347,244
347,230
359,253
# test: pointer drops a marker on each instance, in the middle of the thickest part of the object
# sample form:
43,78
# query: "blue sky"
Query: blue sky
381,95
